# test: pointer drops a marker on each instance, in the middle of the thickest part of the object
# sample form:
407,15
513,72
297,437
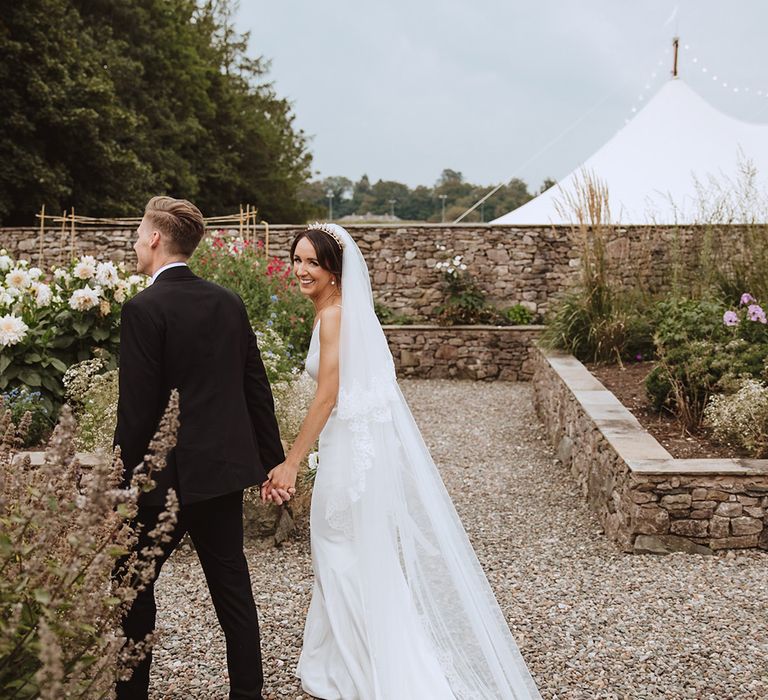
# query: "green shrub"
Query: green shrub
49,322
741,419
465,301
703,348
638,334
679,320
658,387
518,315
23,400
387,316
92,392
688,374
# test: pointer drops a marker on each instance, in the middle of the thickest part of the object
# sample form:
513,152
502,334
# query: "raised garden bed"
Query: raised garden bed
628,385
647,500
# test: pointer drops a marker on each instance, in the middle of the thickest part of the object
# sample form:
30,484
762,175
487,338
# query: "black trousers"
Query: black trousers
216,529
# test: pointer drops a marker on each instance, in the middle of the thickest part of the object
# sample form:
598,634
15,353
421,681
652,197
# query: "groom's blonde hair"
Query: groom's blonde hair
180,221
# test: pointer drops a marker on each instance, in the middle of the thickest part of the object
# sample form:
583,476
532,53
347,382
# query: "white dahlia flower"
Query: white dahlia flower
42,294
60,274
18,278
107,274
121,291
84,299
85,268
12,330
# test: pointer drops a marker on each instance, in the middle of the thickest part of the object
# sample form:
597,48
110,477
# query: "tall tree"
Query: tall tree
110,101
64,138
421,203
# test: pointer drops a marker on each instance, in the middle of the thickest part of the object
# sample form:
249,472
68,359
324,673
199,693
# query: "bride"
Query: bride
401,609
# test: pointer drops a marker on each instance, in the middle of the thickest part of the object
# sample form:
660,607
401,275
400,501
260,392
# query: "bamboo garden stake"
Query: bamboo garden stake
63,237
42,236
72,237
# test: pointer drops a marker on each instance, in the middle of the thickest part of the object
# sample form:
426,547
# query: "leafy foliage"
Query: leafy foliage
387,316
50,321
420,203
698,355
22,400
266,286
107,103
741,418
518,315
465,301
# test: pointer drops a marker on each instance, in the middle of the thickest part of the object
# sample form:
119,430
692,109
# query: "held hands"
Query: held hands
281,484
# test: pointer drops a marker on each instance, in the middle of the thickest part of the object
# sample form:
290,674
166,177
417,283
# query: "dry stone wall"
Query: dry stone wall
463,352
528,265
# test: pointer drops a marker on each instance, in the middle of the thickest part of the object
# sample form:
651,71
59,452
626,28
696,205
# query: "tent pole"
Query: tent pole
676,45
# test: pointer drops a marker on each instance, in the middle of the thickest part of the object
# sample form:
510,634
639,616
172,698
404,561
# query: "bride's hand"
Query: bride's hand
282,483
270,494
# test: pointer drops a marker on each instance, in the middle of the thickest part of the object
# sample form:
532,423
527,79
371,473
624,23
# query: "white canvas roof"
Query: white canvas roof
652,166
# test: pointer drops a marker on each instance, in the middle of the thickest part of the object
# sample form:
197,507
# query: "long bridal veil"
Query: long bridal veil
412,554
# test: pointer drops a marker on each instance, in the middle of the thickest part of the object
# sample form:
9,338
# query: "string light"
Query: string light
648,86
697,63
724,83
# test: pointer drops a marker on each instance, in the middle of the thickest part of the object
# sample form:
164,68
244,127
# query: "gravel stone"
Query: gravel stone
593,623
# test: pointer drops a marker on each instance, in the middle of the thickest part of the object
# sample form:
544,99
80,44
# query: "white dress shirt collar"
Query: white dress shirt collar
166,267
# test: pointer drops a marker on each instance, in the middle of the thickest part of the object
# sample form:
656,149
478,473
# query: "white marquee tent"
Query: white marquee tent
665,166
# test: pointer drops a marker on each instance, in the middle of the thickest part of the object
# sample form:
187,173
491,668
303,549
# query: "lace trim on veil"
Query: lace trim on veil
359,407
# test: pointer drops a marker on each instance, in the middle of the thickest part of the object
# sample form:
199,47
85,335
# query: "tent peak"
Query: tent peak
676,53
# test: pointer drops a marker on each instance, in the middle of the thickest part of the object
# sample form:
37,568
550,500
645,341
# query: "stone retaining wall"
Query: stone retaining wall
647,501
463,352
529,265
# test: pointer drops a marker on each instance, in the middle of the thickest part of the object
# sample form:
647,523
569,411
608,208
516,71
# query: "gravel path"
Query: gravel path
591,622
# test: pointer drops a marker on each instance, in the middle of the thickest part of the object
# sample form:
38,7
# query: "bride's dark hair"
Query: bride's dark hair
329,255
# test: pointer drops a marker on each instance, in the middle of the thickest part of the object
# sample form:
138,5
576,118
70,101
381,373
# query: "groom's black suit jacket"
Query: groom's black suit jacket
189,334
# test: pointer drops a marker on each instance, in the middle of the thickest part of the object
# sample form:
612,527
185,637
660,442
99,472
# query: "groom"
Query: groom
185,333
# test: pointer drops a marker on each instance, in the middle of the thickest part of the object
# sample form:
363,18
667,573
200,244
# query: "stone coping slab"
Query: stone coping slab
467,328
642,453
87,459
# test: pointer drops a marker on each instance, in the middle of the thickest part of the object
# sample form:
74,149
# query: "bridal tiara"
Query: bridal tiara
327,228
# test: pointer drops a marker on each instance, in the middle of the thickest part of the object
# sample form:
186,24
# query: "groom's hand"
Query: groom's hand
277,496
281,484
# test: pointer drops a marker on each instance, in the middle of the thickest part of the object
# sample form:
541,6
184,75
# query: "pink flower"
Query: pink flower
730,318
746,298
756,313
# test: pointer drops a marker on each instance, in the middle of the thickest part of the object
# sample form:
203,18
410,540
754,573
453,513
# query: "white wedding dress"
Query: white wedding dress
401,609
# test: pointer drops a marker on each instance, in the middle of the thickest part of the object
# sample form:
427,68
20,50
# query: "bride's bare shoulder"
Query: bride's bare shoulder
331,314
331,321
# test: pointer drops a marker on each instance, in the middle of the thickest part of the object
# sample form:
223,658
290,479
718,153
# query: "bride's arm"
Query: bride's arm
283,476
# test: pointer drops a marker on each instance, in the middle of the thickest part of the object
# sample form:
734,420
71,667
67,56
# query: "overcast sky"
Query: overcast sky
400,89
